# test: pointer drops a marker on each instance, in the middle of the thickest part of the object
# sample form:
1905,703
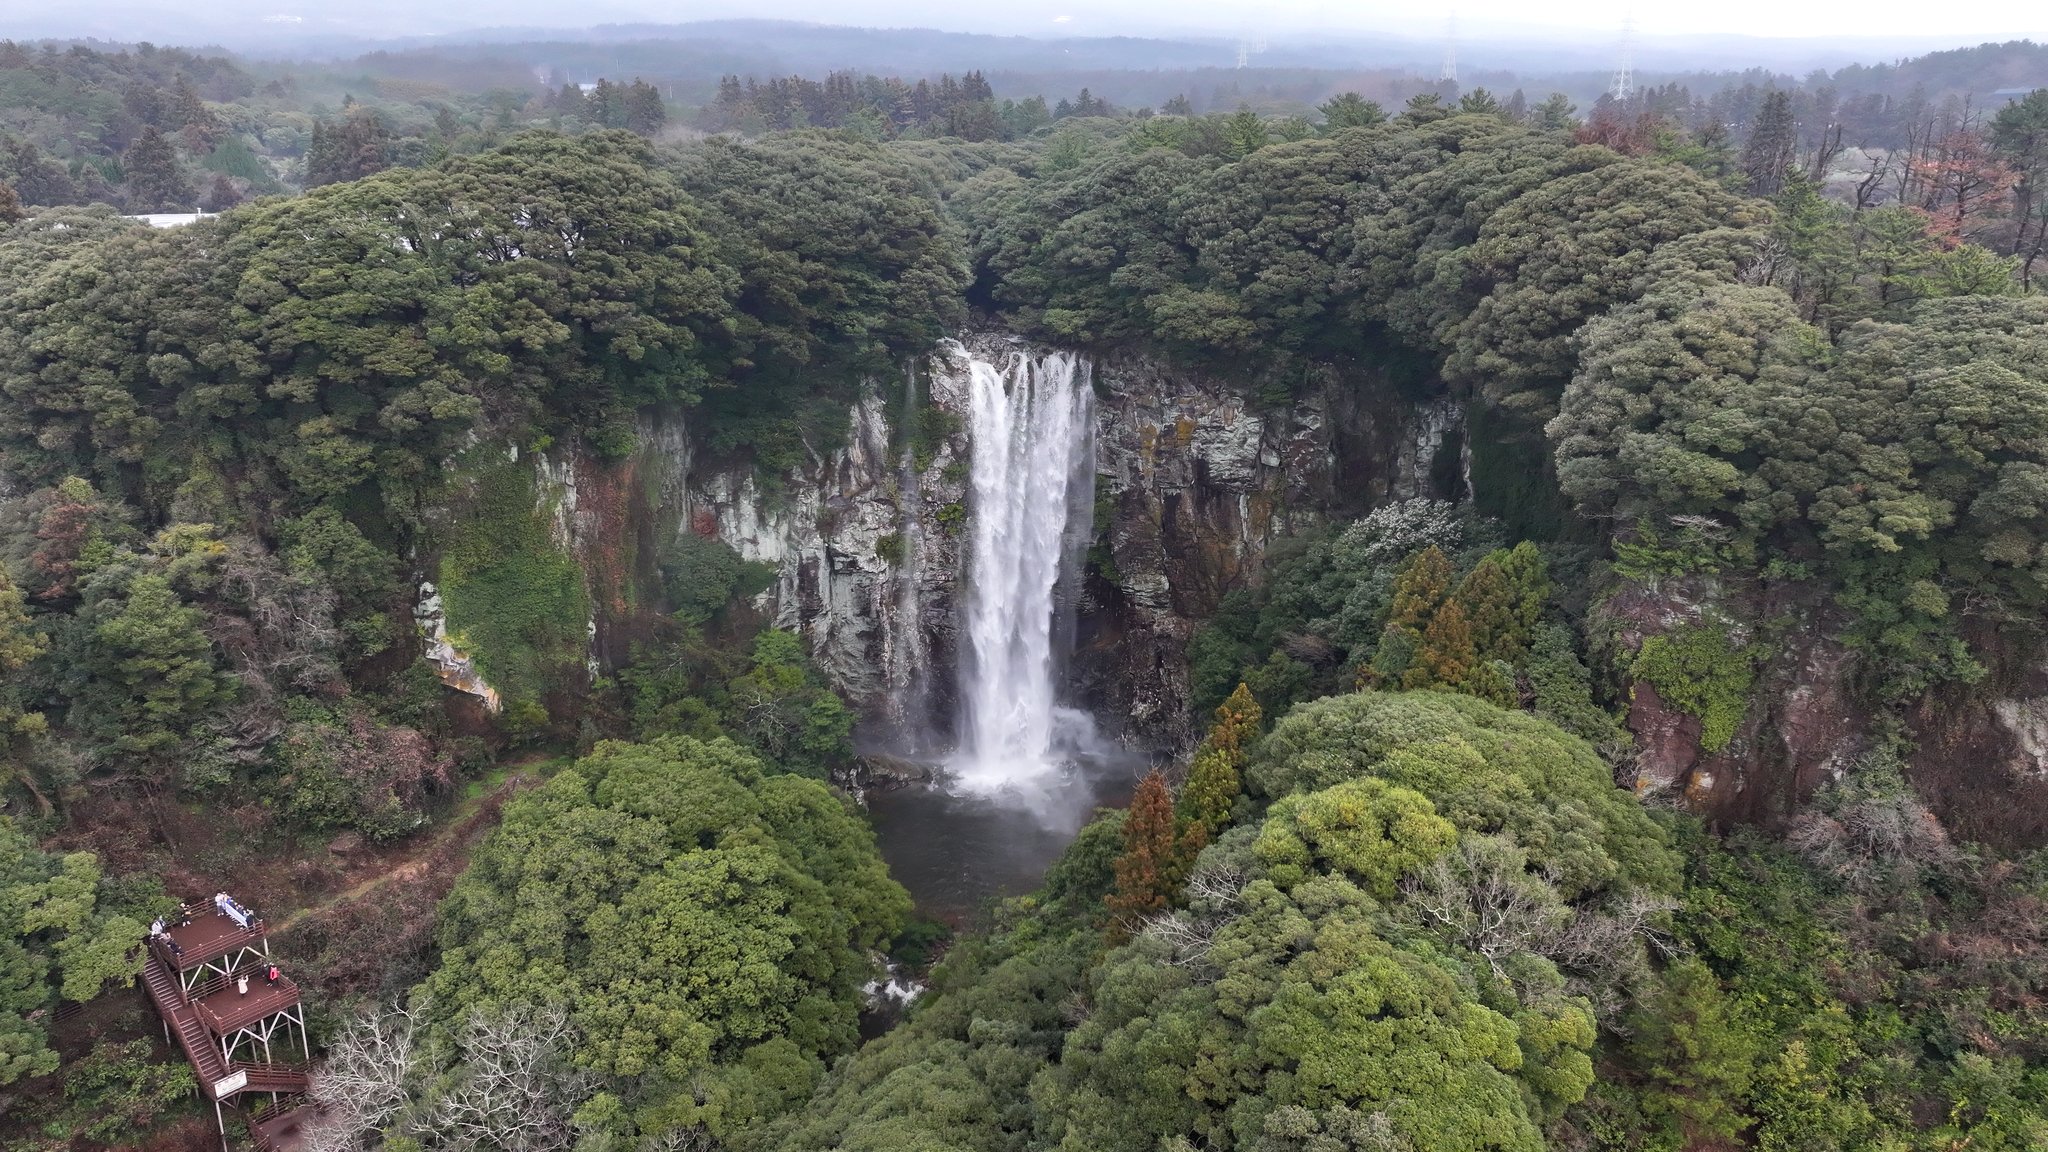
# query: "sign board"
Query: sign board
230,1084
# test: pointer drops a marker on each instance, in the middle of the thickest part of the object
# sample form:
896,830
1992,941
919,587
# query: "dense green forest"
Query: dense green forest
1402,895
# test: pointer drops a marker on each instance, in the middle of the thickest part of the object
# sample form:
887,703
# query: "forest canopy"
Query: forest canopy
255,468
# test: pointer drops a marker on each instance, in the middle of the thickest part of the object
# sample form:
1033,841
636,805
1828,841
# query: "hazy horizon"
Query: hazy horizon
1774,35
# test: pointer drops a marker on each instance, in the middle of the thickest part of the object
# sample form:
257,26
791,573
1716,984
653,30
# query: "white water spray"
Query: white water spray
1033,428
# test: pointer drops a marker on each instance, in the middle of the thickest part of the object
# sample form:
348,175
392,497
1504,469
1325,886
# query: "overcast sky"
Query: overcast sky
1914,26
1996,19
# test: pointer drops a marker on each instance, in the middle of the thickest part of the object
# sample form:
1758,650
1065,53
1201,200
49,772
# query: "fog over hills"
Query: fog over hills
906,38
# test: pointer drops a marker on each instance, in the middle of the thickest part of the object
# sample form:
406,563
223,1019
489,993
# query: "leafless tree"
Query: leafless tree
1826,150
511,1086
1216,887
1871,828
681,1140
366,1079
1872,184
1187,939
1212,896
1601,940
515,1090
1771,264
1483,898
276,628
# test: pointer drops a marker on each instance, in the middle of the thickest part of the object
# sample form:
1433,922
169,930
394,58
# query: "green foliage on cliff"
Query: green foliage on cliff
1700,672
238,440
1901,457
1802,1020
770,699
1334,613
702,575
514,598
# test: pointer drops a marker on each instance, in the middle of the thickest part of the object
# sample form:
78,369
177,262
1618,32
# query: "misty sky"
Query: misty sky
1999,19
1913,27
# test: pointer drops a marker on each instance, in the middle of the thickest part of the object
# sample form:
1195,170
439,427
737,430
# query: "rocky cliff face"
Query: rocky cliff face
1801,726
1194,481
1976,753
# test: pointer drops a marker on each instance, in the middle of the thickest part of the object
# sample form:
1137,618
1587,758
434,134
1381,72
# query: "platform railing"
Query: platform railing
221,946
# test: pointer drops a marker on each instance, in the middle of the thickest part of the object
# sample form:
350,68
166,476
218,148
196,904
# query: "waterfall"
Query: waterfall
1032,493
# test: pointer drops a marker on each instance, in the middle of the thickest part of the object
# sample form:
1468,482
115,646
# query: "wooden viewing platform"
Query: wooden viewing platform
226,1034
225,1010
210,937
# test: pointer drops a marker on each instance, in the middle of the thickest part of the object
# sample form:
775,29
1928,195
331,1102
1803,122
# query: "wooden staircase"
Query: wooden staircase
199,1045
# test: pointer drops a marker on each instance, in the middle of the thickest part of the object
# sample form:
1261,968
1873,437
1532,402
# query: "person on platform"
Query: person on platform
271,975
242,984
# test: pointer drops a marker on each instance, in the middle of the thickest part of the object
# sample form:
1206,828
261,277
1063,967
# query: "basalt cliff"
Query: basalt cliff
1197,475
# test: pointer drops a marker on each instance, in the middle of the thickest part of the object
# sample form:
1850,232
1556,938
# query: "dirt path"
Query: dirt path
417,856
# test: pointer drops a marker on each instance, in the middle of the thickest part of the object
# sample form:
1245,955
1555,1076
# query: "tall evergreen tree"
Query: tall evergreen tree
1773,140
20,642
1478,102
1424,108
1419,590
221,196
643,109
1503,598
185,105
154,182
1554,114
605,107
2020,134
1446,655
1149,868
1528,580
1350,110
1214,781
151,648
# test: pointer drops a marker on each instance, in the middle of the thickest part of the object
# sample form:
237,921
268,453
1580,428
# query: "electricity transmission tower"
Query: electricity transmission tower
1450,68
1248,45
1624,85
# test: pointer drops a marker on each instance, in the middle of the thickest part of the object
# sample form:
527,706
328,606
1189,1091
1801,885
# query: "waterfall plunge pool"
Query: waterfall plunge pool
957,848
